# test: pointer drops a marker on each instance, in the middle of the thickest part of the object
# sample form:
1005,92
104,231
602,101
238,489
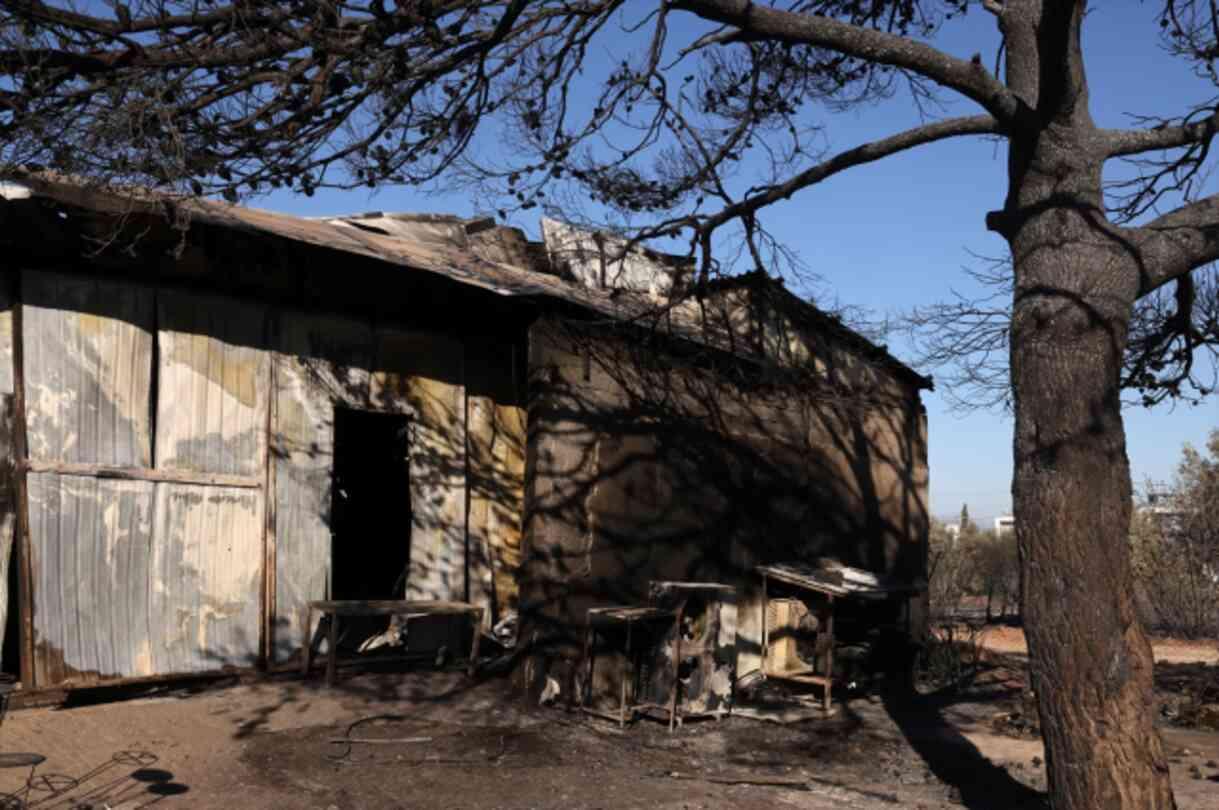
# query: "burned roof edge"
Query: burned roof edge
451,261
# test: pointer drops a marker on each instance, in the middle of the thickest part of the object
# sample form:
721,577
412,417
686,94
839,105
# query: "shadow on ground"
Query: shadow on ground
128,779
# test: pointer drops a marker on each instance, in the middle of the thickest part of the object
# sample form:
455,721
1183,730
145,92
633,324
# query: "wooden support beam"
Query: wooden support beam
267,627
25,566
144,473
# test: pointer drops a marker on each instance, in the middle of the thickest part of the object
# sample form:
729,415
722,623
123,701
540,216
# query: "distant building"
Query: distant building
1004,524
1161,504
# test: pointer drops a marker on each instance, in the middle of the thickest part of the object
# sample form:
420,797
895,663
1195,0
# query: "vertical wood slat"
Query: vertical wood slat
25,571
266,642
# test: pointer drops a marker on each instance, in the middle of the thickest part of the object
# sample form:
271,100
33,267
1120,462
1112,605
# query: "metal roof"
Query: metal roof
426,242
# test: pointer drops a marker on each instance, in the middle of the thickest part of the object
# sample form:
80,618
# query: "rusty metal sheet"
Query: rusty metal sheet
8,512
213,381
320,361
88,366
423,374
206,577
497,500
6,339
91,542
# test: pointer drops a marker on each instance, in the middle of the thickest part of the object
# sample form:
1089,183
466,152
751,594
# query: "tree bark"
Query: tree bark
1091,661
1076,280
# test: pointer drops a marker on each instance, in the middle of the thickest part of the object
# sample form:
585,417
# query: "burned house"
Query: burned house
213,415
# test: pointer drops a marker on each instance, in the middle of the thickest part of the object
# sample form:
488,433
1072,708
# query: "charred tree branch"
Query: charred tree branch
1177,243
969,78
1119,142
859,155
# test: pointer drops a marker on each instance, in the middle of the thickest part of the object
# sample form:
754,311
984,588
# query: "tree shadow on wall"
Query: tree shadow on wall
655,459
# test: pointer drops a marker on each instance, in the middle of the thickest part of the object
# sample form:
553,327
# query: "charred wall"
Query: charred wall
655,461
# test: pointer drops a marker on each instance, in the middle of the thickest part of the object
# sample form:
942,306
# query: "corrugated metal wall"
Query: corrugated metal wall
322,362
154,576
165,573
424,375
92,543
88,367
496,431
206,578
212,408
8,502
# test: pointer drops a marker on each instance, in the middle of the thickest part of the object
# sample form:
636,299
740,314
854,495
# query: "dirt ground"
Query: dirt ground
1008,639
434,740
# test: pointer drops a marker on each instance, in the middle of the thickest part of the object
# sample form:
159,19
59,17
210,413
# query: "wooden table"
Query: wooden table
805,579
628,617
856,583
334,608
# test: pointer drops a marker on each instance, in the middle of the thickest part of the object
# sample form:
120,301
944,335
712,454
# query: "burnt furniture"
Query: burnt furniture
828,583
695,661
604,619
812,581
678,651
332,609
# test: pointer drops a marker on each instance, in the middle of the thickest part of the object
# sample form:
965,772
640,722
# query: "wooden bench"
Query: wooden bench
334,608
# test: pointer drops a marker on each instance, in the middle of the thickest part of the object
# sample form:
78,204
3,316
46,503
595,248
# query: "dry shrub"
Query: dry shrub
951,656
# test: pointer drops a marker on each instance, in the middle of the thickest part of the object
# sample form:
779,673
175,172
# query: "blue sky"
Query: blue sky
898,233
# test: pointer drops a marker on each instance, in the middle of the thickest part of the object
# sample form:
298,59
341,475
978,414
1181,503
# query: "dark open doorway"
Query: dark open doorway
10,652
370,505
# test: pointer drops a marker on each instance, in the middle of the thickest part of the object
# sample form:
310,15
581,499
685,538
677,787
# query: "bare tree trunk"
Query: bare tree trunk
1071,492
1091,662
1076,281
